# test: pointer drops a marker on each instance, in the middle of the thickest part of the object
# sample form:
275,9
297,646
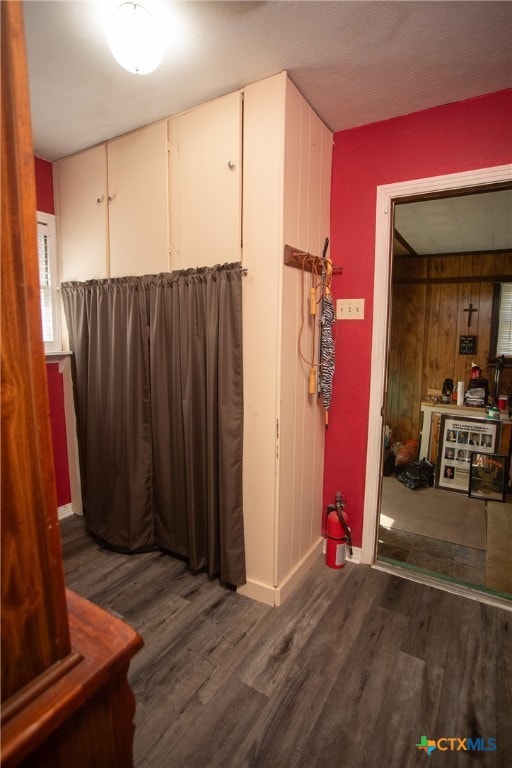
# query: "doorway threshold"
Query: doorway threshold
422,576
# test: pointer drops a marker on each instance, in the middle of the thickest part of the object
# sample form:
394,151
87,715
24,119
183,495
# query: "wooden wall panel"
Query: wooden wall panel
446,346
431,335
429,296
462,363
420,299
393,383
408,363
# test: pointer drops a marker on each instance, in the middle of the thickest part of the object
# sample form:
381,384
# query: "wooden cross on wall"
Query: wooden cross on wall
470,311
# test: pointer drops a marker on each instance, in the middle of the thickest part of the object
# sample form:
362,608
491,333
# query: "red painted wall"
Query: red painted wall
464,136
44,186
45,204
58,424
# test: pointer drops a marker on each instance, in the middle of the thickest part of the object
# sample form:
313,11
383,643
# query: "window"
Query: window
501,332
50,308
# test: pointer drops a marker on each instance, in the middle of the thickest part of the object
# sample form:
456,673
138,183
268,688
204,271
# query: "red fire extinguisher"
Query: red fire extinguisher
338,534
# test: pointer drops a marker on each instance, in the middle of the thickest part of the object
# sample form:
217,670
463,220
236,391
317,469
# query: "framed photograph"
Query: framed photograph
459,437
488,476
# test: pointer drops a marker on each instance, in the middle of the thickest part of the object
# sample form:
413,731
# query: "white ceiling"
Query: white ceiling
355,62
462,224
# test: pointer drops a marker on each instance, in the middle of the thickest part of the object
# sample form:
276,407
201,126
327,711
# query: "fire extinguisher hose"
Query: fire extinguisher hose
339,510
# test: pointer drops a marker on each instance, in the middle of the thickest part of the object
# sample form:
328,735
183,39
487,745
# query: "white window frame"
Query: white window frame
46,227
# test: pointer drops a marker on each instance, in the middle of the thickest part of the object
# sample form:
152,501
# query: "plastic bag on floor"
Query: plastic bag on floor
416,474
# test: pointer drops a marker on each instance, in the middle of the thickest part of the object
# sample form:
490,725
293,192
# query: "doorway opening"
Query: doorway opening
389,198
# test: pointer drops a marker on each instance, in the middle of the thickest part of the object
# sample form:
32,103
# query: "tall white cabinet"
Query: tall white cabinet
236,178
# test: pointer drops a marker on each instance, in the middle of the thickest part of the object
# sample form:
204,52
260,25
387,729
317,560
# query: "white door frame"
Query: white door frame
386,194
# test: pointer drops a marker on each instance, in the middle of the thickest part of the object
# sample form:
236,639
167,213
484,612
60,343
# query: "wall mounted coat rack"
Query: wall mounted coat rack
294,257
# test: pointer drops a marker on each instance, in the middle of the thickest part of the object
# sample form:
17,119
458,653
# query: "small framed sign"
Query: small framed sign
488,474
467,345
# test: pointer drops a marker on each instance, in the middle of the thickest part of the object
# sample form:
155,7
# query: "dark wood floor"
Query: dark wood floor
350,672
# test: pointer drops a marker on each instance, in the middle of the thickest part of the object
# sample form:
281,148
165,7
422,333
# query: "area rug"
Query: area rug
498,571
435,513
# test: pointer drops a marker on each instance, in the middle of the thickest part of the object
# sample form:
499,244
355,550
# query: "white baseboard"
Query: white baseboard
65,511
355,557
276,595
290,582
256,590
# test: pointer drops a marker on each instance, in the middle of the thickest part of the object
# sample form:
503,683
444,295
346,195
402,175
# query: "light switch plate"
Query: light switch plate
350,309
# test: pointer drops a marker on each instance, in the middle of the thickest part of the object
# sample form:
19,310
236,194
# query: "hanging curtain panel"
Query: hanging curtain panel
197,406
159,398
108,336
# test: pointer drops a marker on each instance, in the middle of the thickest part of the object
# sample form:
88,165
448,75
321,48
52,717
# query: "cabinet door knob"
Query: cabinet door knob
110,198
99,200
231,165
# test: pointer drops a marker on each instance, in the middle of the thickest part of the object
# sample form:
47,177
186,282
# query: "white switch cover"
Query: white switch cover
350,309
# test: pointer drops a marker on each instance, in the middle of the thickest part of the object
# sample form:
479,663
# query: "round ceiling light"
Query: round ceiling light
135,38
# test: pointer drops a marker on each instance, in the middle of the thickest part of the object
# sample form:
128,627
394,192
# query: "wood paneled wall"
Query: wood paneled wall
429,295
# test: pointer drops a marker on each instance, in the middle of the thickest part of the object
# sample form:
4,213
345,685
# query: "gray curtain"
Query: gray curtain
159,400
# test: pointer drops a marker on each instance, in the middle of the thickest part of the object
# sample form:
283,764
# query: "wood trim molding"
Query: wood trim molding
458,279
38,686
294,257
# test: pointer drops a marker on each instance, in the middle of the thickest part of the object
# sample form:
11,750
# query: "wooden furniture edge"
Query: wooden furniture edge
102,647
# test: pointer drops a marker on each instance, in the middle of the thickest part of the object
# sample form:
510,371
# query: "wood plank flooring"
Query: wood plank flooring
350,672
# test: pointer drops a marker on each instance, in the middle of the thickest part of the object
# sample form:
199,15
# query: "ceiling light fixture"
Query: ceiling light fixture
135,38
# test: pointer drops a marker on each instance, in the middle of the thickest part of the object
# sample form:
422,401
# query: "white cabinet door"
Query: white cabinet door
138,205
205,171
80,188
